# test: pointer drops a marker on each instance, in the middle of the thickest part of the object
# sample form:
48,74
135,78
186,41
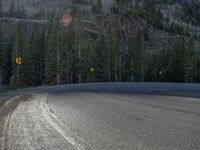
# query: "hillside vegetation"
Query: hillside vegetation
127,40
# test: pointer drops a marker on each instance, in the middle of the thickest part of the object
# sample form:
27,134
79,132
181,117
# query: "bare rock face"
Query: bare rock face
8,27
35,7
156,39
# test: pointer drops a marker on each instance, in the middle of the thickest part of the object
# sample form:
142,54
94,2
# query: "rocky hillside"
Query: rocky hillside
33,8
94,24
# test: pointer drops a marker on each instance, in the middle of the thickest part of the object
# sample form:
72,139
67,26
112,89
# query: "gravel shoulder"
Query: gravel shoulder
7,105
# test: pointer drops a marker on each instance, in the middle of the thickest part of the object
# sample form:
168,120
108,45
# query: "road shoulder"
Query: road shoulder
7,105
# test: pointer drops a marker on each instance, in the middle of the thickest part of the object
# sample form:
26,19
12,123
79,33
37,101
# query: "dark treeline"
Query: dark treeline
191,13
56,54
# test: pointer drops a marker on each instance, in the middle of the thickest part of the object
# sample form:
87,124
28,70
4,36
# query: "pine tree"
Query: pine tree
92,59
97,6
5,60
52,56
162,65
78,39
0,7
190,63
1,64
37,56
176,62
135,57
22,13
71,59
18,50
12,10
109,48
101,60
119,55
197,73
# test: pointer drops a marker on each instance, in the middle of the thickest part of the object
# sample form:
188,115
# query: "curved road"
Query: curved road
110,116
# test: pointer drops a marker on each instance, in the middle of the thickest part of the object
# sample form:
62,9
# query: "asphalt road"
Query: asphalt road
114,116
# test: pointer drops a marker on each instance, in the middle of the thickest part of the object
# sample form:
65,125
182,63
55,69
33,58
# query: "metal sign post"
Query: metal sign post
92,70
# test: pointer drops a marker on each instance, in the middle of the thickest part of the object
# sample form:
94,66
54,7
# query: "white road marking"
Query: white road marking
53,121
2,140
11,100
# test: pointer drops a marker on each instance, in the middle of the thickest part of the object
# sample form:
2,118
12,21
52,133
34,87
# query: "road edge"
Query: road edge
6,110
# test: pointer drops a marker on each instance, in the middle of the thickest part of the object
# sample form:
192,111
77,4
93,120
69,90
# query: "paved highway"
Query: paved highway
110,116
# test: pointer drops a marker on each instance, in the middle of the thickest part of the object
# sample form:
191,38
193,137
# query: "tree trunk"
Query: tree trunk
142,57
109,65
79,58
1,84
58,63
18,76
120,65
58,70
116,77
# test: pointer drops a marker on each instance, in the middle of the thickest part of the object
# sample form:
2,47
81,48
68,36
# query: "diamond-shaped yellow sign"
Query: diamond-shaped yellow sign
92,69
18,60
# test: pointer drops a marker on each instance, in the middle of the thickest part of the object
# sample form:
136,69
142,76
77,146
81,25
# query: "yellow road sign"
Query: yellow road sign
18,60
92,69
